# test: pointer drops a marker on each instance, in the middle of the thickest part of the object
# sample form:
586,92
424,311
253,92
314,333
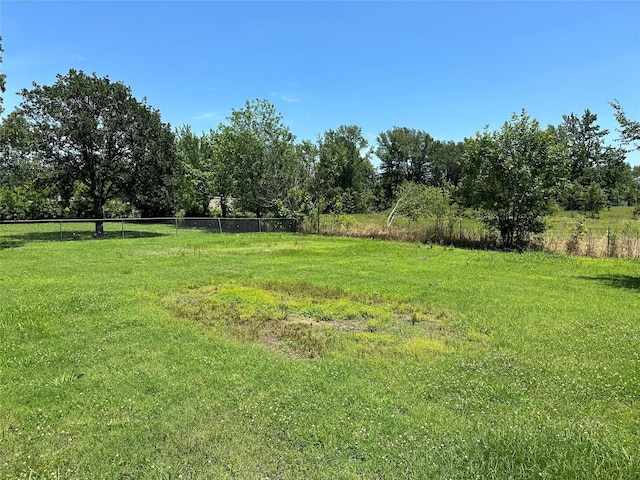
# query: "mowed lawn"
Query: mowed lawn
257,356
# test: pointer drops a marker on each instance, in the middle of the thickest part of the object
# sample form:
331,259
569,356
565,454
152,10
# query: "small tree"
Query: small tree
417,201
595,199
513,175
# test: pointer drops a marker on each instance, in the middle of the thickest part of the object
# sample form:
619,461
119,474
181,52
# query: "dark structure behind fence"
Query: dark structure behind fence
241,225
81,229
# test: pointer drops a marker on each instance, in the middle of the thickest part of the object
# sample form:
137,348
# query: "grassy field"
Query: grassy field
288,356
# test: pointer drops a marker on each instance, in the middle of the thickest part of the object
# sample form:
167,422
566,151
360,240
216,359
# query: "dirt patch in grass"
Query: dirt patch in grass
305,321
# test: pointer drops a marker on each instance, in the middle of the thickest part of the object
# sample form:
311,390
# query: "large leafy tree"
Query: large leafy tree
99,140
405,156
446,163
218,148
344,172
513,175
585,144
257,150
152,181
409,155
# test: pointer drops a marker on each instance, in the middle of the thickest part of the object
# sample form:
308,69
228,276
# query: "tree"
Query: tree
615,178
219,154
152,181
446,163
258,151
196,179
94,134
591,160
408,155
513,175
417,201
3,77
26,190
18,160
629,129
584,140
344,173
594,199
405,156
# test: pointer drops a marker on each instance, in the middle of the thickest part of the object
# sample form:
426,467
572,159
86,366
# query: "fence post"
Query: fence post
259,225
176,219
608,240
61,230
122,225
219,225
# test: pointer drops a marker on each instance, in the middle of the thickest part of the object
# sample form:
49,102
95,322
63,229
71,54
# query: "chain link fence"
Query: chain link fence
16,232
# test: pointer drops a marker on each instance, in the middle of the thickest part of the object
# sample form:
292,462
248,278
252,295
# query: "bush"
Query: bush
594,199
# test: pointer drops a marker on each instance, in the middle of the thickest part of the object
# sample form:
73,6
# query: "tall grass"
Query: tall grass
614,234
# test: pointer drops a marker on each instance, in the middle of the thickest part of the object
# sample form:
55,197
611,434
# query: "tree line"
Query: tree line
85,147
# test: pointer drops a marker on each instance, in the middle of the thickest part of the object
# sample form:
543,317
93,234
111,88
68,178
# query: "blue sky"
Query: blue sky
448,68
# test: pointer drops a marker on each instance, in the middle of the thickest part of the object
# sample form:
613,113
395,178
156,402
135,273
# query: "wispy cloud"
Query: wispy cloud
40,56
78,57
291,95
290,98
207,116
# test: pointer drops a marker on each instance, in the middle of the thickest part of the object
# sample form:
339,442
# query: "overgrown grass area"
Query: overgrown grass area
614,232
284,356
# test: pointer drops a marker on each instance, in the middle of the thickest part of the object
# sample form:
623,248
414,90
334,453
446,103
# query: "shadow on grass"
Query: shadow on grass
20,239
617,281
10,243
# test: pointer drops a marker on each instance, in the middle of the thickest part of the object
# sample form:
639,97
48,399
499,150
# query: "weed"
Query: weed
65,378
573,244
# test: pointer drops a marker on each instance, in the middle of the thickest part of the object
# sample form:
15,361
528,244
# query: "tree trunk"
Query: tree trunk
99,233
223,207
98,213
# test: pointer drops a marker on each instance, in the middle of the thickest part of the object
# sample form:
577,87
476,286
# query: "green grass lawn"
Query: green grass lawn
202,355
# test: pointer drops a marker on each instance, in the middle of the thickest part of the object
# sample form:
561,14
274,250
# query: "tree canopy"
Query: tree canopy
592,161
258,150
344,172
85,147
101,143
513,175
405,156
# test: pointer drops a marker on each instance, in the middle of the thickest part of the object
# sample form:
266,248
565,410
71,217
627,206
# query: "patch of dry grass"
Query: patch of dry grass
304,321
